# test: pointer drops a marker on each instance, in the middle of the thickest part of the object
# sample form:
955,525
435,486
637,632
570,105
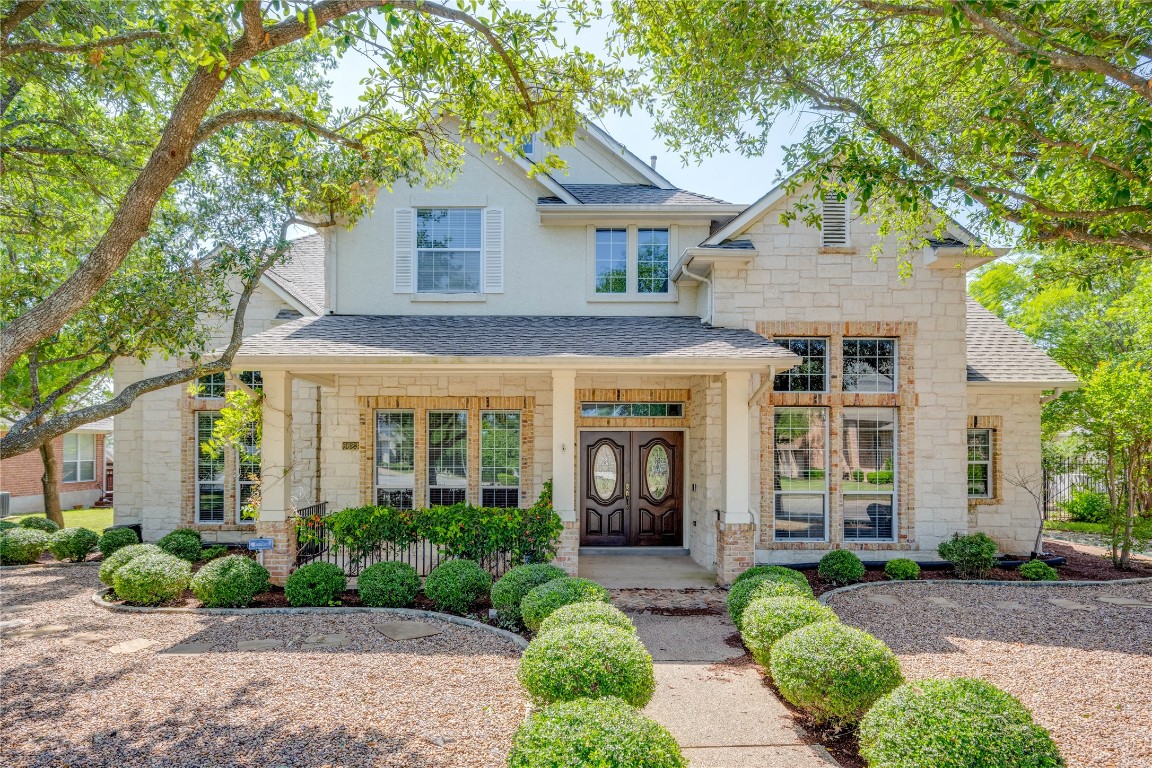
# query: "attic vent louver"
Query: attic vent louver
835,222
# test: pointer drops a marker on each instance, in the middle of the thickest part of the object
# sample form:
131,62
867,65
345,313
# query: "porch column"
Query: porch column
276,475
564,450
735,530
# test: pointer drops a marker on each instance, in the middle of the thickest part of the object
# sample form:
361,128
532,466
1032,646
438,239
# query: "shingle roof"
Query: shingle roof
631,194
301,275
487,336
999,353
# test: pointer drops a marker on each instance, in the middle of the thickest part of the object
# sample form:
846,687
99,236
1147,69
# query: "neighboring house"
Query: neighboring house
84,457
688,372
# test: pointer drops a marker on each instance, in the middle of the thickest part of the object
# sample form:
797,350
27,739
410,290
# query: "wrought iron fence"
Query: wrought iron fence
1065,475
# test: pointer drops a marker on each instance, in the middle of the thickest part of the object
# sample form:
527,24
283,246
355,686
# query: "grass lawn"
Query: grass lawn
1075,527
93,519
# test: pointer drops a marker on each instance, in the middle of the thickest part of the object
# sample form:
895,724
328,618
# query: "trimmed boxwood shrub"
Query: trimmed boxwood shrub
541,601
1038,570
39,524
152,578
229,582
453,586
744,592
211,553
20,546
510,588
587,661
388,585
840,567
593,732
183,543
960,722
768,619
72,543
587,613
116,538
315,584
902,569
832,671
7,524
973,556
776,573
122,557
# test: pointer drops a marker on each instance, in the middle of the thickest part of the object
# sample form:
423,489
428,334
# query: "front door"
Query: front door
630,489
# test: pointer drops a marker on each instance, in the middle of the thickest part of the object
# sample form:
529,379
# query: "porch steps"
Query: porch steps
632,551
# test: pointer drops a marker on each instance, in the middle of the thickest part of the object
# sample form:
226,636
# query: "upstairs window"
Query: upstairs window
652,261
834,225
611,261
869,365
210,386
812,373
79,464
449,250
528,147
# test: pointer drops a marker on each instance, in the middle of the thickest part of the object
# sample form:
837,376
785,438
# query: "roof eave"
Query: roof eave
557,213
1039,384
710,258
368,363
960,257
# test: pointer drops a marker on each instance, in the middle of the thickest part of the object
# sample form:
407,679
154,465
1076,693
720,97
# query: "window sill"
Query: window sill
449,297
76,482
629,298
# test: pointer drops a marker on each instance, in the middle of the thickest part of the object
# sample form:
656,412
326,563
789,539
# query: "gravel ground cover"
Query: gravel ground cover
68,700
1082,673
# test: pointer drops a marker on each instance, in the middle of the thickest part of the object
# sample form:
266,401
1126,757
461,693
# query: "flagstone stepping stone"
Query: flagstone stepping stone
943,602
1128,602
13,623
47,629
406,630
1009,605
186,649
883,599
132,646
1071,605
86,638
14,608
325,641
258,645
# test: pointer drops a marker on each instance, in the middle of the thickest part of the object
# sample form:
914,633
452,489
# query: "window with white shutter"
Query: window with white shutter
404,248
834,231
494,250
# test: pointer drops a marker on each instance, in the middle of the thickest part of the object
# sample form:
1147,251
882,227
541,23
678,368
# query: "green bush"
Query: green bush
39,524
587,613
602,732
1087,506
1038,570
388,585
587,661
7,525
973,556
768,619
72,544
229,582
455,585
776,573
840,567
541,601
902,569
510,588
116,538
883,477
315,584
183,543
744,592
959,722
20,546
152,578
211,553
122,557
832,671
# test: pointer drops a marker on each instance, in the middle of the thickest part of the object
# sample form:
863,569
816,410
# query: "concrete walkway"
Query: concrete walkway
717,708
646,571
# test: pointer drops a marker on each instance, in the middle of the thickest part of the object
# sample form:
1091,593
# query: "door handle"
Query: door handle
627,491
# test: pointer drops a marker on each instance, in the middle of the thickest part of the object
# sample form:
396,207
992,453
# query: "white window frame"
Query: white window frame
667,261
987,463
199,484
417,250
631,292
78,461
376,487
895,364
519,487
826,494
202,391
894,493
596,260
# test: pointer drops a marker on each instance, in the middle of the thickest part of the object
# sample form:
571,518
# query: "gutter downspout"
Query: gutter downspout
699,279
1049,398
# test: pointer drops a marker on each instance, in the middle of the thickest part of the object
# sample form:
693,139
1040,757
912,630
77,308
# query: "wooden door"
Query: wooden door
656,487
603,480
631,489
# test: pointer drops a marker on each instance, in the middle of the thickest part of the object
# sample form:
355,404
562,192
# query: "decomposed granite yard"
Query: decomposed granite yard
83,686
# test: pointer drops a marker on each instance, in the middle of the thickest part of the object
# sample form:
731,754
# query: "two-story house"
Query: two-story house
689,373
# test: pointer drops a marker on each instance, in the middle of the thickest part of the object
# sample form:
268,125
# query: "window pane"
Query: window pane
70,448
812,373
253,379
448,250
868,517
447,457
86,447
800,449
869,365
448,228
208,468
870,449
652,260
397,499
87,470
799,517
977,479
211,385
503,498
979,445
499,452
68,472
395,458
611,261
210,503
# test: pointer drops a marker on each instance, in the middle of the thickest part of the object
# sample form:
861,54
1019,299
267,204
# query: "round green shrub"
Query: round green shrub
587,661
183,543
454,585
587,613
832,671
902,569
20,546
593,732
7,525
840,567
776,573
1038,570
122,557
973,556
388,585
510,588
744,592
541,601
768,619
315,584
229,582
152,578
116,538
959,722
72,544
39,524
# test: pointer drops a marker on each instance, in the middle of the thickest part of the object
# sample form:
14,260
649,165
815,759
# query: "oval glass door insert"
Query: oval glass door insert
604,472
658,471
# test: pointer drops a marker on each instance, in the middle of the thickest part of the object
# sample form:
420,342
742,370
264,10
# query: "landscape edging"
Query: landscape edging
977,582
512,637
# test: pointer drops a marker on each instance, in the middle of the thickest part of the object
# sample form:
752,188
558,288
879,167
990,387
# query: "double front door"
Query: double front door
631,489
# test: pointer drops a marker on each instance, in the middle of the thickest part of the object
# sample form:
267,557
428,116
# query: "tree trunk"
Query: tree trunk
50,480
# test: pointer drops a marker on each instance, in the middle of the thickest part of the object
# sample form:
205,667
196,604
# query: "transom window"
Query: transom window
800,443
812,373
611,261
869,365
395,459
500,459
869,450
79,465
648,410
447,457
448,250
652,260
979,463
209,472
210,386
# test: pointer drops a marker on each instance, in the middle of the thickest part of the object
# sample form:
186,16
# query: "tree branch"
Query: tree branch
16,16
224,119
1087,151
43,46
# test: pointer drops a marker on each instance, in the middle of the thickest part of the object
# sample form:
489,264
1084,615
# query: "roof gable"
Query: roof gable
299,279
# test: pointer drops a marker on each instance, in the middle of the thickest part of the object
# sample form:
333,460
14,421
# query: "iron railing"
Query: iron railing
1065,475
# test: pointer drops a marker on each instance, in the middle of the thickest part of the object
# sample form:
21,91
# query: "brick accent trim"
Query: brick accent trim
995,424
735,550
631,396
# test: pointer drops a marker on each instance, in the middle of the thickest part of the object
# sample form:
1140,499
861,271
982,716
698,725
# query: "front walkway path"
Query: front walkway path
713,700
